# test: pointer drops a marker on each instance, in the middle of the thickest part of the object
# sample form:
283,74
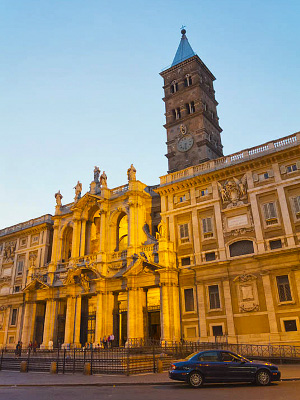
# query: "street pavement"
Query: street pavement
288,390
289,372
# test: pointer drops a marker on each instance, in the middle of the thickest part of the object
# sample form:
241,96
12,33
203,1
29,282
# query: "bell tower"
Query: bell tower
192,123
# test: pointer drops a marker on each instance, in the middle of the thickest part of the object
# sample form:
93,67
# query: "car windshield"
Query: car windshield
191,355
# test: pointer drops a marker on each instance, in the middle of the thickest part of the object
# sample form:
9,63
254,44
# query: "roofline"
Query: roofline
193,58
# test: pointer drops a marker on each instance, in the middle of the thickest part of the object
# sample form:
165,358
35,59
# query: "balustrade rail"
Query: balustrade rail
138,357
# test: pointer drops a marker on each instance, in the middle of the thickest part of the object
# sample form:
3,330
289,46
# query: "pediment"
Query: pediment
142,266
87,199
36,284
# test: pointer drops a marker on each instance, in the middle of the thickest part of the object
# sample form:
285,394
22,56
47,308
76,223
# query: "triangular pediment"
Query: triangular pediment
88,198
141,266
35,285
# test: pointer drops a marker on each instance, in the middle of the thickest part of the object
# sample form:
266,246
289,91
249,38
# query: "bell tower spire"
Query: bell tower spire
192,123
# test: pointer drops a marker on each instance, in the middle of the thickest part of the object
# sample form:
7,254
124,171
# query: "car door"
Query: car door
209,364
236,368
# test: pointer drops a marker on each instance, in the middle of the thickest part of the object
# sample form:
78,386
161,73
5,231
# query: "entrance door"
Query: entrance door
154,325
61,321
123,323
87,328
39,329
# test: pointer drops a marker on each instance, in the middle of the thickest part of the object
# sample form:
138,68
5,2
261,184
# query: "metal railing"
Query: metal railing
139,357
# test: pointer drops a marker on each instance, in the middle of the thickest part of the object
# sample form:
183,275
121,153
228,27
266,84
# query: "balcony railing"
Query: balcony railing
223,162
28,224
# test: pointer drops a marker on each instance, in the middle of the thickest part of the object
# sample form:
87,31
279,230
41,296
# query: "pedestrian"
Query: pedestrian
112,338
50,345
17,352
29,347
35,345
104,341
108,342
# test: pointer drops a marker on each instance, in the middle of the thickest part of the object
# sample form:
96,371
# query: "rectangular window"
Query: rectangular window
290,325
291,168
296,205
13,318
185,261
284,290
207,227
20,265
17,289
270,213
184,233
262,177
217,330
189,299
204,192
275,244
210,256
214,298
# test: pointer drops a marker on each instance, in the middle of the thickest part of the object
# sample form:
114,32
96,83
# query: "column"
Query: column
54,255
82,238
285,216
132,222
77,321
270,303
196,234
201,310
69,325
257,223
99,318
108,308
102,231
6,324
171,225
219,230
26,324
297,281
76,237
228,309
49,324
135,316
170,314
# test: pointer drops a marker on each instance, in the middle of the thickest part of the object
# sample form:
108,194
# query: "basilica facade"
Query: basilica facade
210,253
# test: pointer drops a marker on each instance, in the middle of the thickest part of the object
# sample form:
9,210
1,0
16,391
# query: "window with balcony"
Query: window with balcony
296,206
184,233
207,228
214,297
284,290
270,213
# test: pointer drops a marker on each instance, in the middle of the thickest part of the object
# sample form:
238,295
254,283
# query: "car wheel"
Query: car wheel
195,379
263,378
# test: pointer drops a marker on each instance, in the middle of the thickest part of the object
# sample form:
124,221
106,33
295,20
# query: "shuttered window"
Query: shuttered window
207,227
184,232
284,290
296,204
270,213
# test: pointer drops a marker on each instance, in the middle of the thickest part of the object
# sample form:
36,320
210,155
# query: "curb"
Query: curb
110,384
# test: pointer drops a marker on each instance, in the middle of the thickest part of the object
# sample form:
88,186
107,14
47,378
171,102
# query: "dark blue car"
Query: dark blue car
222,366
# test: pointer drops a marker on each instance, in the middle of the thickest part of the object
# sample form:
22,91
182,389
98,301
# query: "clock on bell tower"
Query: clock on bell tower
192,123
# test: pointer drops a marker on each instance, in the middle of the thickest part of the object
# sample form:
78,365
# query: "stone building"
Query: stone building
212,251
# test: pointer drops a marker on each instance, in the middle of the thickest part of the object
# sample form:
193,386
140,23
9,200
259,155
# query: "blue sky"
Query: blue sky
80,87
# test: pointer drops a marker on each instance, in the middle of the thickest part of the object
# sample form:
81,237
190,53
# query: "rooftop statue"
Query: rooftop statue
103,179
78,189
58,196
131,173
96,174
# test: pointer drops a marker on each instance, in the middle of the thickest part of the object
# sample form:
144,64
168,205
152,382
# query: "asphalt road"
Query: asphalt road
278,391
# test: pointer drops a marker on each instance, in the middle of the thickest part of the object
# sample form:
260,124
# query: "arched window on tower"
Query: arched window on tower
190,107
67,244
188,80
122,232
177,113
174,87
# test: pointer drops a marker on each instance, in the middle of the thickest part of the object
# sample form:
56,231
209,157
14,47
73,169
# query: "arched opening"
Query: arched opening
241,248
67,244
92,232
122,232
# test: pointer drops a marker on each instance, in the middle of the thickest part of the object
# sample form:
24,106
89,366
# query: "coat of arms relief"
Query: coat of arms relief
233,192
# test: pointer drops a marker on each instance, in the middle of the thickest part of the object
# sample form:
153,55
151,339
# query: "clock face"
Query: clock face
185,143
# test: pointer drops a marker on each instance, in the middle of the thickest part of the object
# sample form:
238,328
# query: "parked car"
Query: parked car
222,366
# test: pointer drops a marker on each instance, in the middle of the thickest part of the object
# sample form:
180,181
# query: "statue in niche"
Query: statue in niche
9,251
78,189
58,196
85,282
162,231
233,191
103,179
131,173
96,174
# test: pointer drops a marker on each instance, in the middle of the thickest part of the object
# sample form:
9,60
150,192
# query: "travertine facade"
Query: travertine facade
213,251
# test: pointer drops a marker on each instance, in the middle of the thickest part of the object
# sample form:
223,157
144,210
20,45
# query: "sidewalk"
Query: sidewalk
8,378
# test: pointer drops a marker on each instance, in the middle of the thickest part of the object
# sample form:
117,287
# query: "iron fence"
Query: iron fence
138,357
